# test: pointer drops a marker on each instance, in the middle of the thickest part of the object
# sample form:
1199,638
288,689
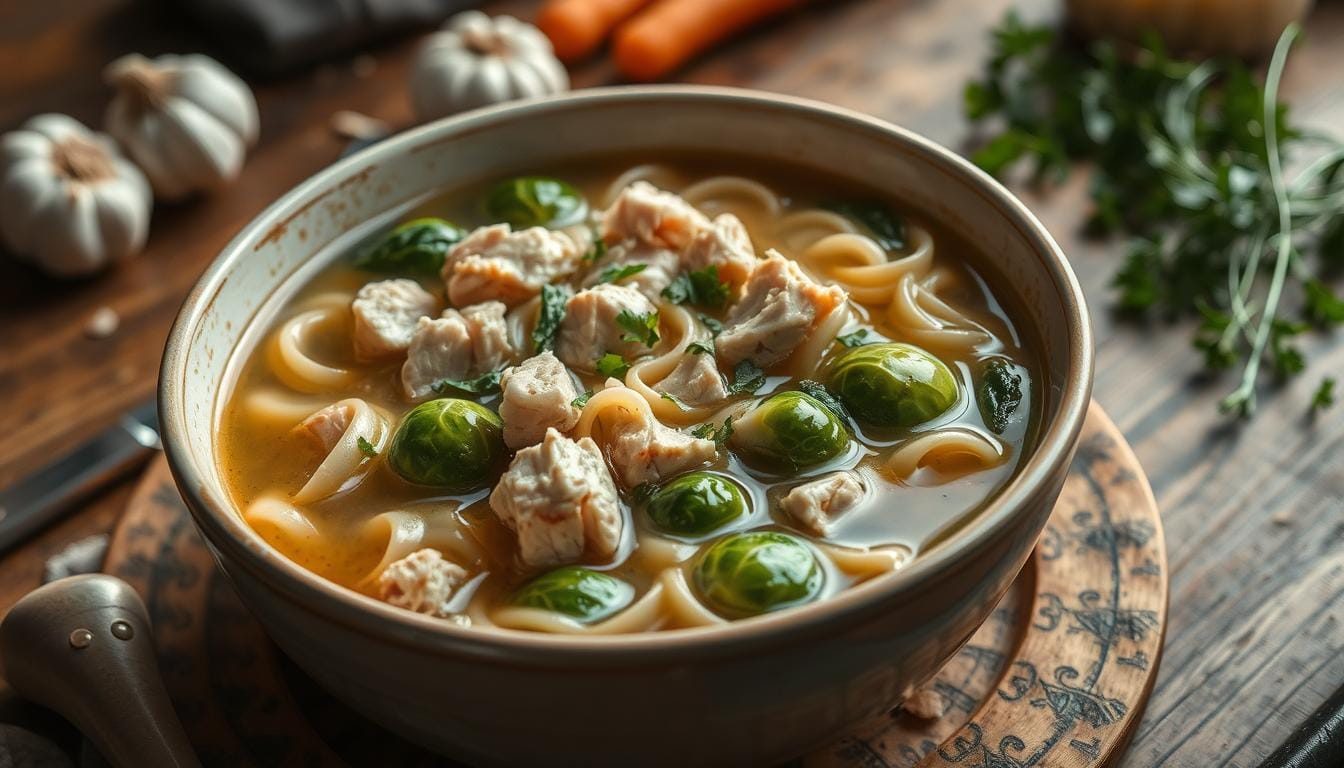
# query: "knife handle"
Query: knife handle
82,646
40,498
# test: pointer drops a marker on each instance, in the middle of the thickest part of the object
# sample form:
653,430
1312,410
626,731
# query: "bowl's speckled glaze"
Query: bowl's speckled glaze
752,692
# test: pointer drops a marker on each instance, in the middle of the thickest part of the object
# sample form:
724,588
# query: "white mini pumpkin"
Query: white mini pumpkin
69,202
185,120
476,60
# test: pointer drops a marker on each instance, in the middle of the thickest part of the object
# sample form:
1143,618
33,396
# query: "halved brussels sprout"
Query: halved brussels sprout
417,247
789,431
577,592
448,443
751,573
695,504
535,201
893,384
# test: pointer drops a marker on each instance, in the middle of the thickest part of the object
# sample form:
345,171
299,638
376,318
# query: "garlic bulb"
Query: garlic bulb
1238,27
186,120
476,60
69,202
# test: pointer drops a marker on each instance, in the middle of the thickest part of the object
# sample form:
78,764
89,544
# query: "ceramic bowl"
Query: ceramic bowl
751,692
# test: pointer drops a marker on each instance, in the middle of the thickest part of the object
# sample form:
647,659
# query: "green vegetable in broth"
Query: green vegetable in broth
549,318
789,431
998,393
417,247
577,592
695,504
535,201
893,384
886,227
755,572
447,443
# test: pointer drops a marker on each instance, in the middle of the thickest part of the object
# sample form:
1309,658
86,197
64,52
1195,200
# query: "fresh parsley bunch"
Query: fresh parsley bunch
1189,161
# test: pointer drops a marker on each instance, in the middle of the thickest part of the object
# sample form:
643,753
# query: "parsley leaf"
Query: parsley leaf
598,249
701,347
613,365
366,448
618,273
821,394
640,329
887,228
713,326
856,339
1325,395
484,384
552,313
700,287
719,434
673,399
747,378
582,400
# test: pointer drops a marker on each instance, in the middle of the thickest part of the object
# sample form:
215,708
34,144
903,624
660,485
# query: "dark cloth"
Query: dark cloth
274,37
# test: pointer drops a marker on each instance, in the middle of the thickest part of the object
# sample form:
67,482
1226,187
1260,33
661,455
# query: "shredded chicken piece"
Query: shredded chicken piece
642,449
660,266
815,504
386,313
536,395
496,263
459,345
695,381
422,581
724,245
325,427
560,500
779,308
650,215
590,328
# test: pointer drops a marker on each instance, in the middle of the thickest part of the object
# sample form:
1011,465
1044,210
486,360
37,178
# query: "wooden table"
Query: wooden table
1253,511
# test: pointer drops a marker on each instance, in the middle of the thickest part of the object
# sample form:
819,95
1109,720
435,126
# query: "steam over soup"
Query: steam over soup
623,400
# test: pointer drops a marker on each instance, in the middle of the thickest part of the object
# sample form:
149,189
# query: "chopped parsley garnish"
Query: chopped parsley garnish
366,448
673,399
711,431
598,249
821,394
641,329
700,348
484,384
582,400
886,227
612,364
713,326
700,287
619,273
747,378
553,299
1325,394
856,339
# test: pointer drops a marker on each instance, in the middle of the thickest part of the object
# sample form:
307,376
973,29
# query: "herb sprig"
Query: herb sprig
1188,161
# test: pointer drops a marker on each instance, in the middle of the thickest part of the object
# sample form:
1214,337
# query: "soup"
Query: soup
630,398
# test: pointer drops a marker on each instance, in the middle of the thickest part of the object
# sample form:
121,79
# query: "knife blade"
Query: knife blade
43,497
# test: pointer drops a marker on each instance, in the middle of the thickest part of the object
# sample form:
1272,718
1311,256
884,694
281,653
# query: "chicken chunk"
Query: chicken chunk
659,266
536,396
590,329
651,216
815,504
558,497
458,345
695,381
779,308
642,450
325,427
495,263
724,245
386,313
422,581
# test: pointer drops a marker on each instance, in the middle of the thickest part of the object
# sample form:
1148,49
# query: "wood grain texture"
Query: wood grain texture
1253,512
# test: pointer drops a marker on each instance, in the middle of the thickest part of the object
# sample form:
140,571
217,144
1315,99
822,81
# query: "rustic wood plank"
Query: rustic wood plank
1253,512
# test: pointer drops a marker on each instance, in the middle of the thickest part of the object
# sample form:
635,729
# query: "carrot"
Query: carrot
577,27
665,36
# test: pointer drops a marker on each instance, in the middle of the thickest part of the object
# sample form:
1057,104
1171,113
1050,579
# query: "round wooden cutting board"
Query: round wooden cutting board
1057,677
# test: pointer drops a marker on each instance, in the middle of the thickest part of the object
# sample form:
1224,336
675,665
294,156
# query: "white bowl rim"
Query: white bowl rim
226,530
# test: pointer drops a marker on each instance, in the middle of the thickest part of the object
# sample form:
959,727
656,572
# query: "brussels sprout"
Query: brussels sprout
695,504
577,592
892,384
417,247
998,393
756,572
789,431
535,201
448,443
